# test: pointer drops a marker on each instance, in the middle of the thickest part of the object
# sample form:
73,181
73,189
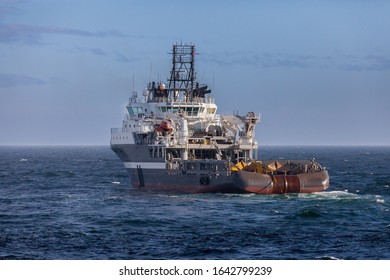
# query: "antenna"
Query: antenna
202,77
213,81
151,70
133,81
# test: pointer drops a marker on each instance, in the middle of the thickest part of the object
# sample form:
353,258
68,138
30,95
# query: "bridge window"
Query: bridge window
133,111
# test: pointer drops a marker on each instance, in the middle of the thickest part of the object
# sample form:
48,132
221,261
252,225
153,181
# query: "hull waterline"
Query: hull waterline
237,182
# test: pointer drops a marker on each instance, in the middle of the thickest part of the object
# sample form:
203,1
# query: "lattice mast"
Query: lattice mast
183,75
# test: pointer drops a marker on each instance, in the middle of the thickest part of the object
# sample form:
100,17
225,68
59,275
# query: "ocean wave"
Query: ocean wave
329,195
67,204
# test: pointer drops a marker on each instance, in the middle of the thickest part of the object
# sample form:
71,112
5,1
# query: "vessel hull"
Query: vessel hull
237,182
172,139
159,180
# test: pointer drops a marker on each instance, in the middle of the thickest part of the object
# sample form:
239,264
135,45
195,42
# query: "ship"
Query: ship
172,139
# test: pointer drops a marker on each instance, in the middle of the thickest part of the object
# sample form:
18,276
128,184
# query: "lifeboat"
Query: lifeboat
165,127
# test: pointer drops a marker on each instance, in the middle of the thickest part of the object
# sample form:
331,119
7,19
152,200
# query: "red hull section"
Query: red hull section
281,184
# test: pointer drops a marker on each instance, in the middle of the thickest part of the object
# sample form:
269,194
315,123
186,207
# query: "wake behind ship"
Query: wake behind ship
173,139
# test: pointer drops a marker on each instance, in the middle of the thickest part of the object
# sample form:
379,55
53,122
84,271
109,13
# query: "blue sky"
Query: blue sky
317,71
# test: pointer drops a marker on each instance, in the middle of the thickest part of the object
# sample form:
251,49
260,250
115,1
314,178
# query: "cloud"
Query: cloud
336,61
7,10
368,63
265,60
121,57
9,7
116,55
32,34
97,51
13,80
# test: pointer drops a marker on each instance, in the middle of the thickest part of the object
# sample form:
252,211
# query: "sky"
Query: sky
317,71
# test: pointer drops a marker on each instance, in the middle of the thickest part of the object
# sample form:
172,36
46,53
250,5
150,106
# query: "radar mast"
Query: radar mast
182,83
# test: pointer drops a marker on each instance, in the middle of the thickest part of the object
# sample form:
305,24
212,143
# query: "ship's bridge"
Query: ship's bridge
188,109
138,110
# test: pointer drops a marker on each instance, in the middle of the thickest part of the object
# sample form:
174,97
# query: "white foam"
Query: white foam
328,258
330,195
116,183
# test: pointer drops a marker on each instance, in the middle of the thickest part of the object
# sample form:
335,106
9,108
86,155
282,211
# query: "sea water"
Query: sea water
77,203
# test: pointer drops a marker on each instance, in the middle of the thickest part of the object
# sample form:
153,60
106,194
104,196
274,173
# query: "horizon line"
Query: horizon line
265,145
